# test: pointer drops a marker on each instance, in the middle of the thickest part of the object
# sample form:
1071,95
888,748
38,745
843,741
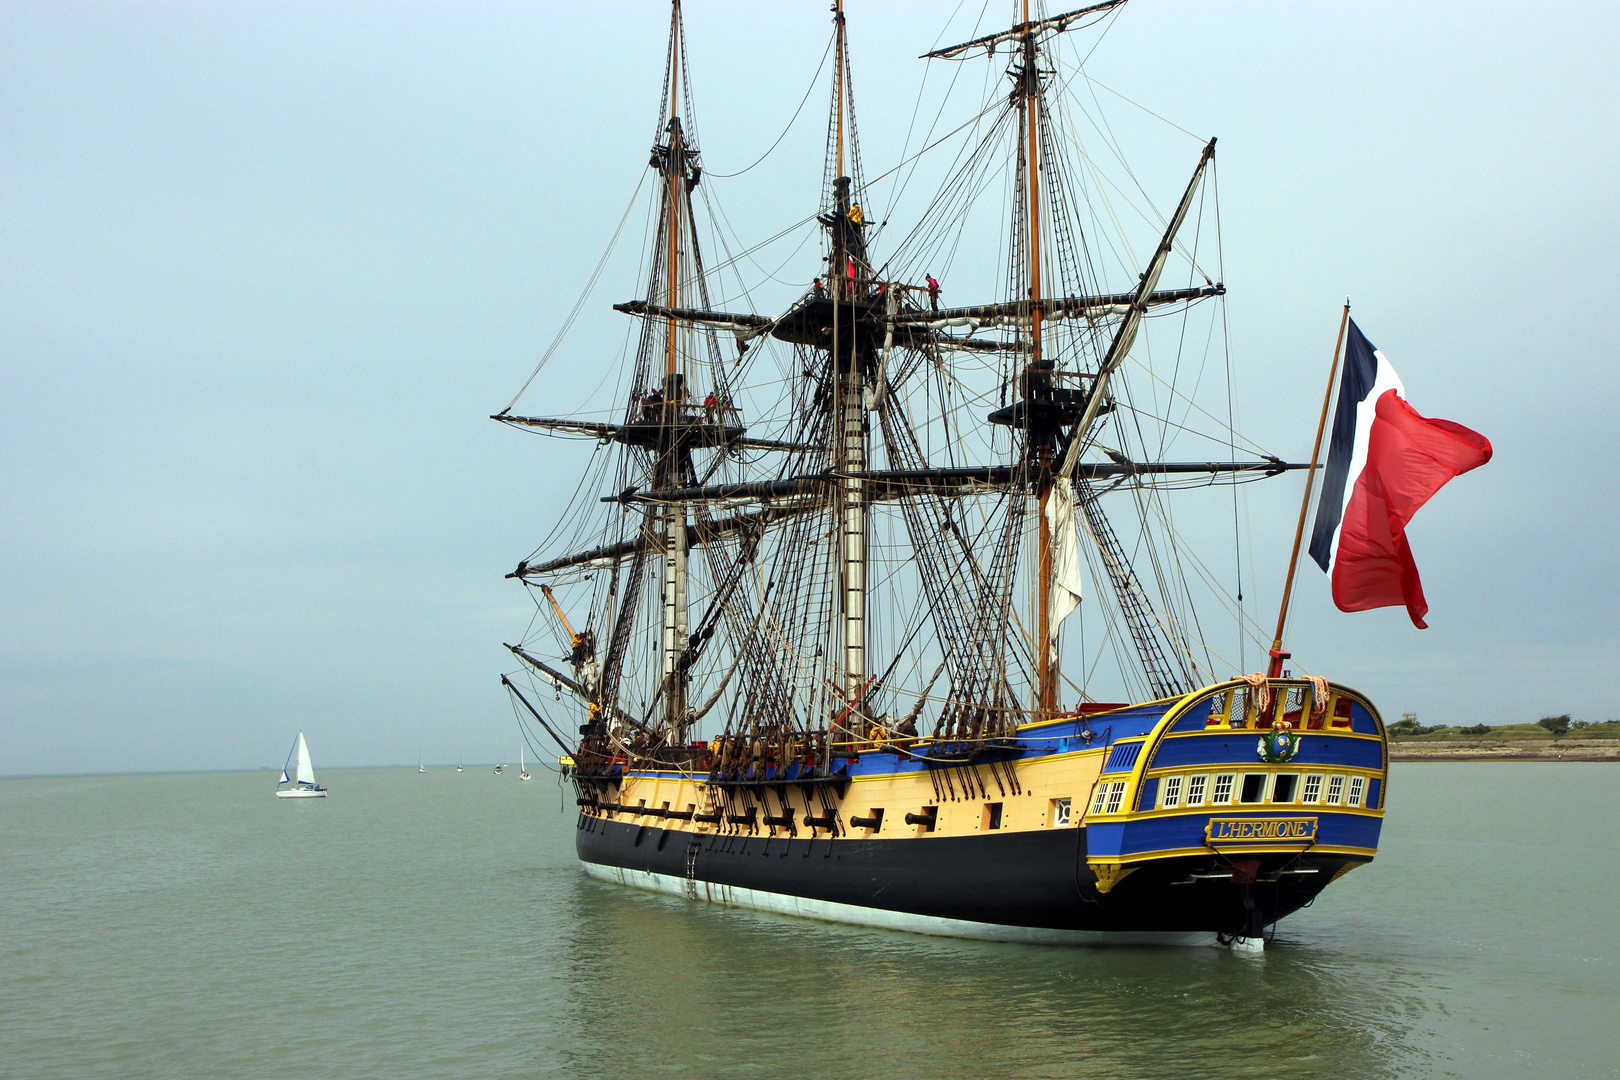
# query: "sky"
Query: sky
266,269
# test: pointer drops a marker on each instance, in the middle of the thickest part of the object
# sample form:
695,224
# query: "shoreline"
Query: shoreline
1497,750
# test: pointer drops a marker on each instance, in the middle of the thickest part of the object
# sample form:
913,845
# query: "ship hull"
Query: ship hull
1030,886
883,918
1166,819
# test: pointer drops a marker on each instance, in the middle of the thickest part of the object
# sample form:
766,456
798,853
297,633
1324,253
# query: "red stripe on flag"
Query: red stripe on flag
1409,458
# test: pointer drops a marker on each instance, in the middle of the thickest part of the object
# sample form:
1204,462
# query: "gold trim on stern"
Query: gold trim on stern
1110,874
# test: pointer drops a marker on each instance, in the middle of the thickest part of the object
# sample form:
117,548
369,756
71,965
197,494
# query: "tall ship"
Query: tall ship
878,609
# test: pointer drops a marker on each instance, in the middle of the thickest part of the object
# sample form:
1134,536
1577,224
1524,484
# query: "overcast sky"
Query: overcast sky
265,269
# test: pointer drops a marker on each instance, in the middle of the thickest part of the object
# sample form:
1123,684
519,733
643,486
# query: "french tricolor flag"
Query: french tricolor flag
1384,462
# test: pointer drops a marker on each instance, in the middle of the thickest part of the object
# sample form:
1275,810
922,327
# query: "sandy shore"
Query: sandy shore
1487,750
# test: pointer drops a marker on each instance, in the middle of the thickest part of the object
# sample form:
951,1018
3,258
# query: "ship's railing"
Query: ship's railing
1259,703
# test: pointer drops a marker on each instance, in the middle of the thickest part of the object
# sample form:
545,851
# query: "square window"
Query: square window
1335,790
1223,789
1116,796
1313,789
1060,813
1356,785
1254,787
1283,786
1195,790
1172,792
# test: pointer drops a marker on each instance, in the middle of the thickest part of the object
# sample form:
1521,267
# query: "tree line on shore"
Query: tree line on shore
1557,726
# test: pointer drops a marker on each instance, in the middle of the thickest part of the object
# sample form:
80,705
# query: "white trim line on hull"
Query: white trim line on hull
830,911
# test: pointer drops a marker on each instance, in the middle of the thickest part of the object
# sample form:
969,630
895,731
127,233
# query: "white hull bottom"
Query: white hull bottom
829,911
301,793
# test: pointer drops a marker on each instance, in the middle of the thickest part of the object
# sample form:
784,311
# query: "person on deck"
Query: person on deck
819,289
905,732
710,403
933,293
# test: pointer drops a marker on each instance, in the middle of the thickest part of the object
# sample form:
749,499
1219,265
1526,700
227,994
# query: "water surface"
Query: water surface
438,925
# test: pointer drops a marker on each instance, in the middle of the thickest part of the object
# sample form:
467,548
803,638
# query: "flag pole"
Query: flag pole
1277,653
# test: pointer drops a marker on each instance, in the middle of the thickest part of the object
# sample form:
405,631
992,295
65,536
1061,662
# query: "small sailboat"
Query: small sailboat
419,762
302,781
500,769
458,763
523,770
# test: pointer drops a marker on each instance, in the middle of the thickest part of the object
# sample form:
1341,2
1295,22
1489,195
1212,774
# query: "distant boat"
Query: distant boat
458,763
499,769
419,762
523,770
303,778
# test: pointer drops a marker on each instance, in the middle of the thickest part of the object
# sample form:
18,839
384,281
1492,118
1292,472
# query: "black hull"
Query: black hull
1037,879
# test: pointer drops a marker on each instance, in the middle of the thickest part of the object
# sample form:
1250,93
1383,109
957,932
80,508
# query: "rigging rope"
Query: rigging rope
590,286
808,91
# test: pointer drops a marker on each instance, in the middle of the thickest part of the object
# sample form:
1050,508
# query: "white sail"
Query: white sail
284,778
306,771
1066,575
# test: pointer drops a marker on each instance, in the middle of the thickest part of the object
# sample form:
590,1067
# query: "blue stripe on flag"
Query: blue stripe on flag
1360,373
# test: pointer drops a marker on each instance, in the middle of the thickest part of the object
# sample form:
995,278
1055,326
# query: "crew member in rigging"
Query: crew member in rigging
933,293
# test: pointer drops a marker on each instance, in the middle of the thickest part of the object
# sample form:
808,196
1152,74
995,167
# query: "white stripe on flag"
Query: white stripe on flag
1366,412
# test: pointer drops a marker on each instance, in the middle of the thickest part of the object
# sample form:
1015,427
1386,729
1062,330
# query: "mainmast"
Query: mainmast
682,492
673,520
838,86
847,277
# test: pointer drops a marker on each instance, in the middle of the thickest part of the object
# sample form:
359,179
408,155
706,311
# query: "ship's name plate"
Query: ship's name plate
1280,830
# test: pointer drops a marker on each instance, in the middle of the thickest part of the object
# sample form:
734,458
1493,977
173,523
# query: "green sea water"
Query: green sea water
438,925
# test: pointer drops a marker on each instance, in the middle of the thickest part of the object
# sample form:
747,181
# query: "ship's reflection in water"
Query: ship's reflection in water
1479,943
724,991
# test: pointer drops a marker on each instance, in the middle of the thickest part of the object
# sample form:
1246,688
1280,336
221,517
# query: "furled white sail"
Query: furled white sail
1062,518
305,773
